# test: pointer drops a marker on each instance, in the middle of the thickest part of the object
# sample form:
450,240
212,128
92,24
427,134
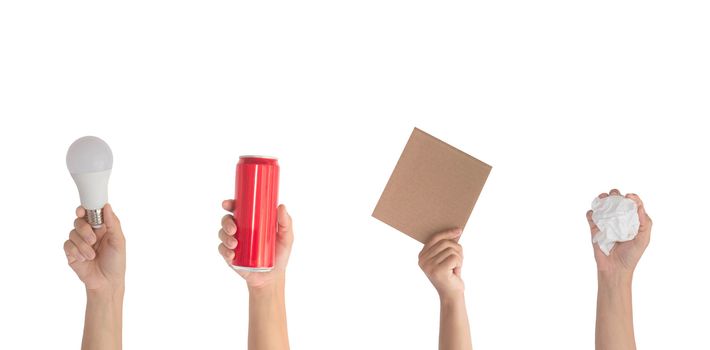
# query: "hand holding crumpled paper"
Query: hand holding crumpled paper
613,224
617,219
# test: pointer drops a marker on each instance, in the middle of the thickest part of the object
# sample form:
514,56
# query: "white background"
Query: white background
565,99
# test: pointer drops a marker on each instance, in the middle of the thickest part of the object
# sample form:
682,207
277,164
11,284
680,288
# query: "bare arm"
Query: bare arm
441,260
98,256
267,305
615,327
454,330
267,318
103,320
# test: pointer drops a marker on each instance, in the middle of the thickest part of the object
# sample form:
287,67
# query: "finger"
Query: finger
100,232
452,262
229,241
448,234
84,247
85,231
226,253
603,195
592,226
434,243
228,205
285,223
72,252
634,197
614,192
110,219
644,219
439,247
444,254
80,212
228,225
284,219
88,233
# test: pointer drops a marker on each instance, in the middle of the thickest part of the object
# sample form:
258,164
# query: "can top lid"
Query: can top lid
255,156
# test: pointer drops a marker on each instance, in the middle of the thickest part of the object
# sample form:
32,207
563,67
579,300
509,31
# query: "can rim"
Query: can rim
258,156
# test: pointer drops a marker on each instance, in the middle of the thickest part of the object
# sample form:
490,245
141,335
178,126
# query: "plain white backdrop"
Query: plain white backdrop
565,99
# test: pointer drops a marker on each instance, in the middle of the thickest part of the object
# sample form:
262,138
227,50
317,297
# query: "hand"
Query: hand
625,255
441,260
98,256
284,240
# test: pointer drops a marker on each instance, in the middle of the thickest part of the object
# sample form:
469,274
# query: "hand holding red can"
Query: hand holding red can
258,236
284,241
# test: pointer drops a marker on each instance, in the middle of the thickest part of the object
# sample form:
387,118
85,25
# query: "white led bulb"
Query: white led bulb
89,160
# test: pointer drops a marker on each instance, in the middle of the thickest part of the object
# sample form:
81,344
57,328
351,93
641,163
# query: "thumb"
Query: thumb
454,234
110,218
285,229
113,227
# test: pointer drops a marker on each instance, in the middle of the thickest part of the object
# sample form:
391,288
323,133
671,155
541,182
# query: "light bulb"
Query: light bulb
89,160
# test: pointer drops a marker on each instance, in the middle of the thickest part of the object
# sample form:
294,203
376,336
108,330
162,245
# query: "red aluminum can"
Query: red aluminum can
256,213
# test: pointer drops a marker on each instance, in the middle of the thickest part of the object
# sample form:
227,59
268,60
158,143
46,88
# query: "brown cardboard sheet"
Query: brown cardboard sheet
433,187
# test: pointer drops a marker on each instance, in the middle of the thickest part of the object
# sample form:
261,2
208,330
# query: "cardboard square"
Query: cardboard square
433,187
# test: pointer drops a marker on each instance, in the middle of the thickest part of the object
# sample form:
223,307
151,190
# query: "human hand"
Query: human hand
441,260
625,255
98,255
284,240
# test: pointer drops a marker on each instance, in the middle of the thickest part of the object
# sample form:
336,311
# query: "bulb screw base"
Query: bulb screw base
95,217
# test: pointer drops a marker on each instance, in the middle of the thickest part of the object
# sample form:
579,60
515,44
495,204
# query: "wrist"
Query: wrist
107,293
615,279
451,297
269,287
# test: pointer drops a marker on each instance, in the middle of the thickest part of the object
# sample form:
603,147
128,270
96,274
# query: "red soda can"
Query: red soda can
256,213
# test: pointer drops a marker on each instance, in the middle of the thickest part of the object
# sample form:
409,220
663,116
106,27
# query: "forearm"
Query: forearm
103,320
454,332
267,317
615,328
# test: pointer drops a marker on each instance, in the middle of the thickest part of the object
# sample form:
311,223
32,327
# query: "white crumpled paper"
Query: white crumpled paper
617,219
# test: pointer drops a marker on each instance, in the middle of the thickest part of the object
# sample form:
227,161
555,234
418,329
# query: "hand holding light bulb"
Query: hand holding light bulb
98,255
96,246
